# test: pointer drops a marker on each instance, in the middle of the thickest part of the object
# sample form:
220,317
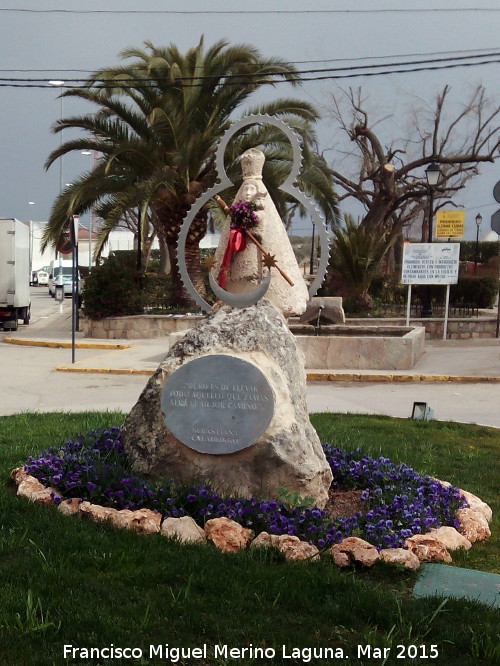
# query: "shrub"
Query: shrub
485,251
471,291
477,291
112,289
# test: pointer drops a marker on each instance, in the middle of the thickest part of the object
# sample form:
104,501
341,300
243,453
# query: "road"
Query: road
30,383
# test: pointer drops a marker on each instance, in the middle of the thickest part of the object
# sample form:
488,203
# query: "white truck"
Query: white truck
15,302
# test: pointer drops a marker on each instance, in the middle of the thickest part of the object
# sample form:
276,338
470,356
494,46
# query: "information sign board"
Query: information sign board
450,223
430,263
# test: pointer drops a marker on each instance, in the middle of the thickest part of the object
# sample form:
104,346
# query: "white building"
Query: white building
121,239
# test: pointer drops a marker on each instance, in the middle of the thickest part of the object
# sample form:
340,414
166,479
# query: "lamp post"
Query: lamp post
93,153
432,174
58,84
31,203
479,219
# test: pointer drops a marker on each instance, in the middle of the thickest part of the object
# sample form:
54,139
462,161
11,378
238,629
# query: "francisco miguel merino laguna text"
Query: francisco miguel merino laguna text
174,653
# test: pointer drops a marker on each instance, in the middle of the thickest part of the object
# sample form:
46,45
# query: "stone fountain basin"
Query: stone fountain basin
360,347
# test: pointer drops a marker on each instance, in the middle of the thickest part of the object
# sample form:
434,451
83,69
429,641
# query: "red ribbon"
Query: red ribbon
236,243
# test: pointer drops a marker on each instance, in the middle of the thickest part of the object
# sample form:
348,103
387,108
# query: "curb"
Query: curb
359,377
315,376
108,371
66,345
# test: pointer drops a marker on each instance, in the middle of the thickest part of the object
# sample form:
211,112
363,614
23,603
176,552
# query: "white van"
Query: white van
42,277
61,272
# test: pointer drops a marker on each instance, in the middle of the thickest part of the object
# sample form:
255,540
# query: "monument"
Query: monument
227,405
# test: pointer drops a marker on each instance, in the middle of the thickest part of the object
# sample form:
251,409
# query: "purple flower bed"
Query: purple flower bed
397,502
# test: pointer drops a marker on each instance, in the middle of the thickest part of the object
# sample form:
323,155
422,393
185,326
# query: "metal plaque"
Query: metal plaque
217,404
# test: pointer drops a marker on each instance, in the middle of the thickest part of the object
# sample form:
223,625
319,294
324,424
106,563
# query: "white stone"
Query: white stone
19,474
70,506
184,529
33,490
400,556
478,505
473,525
96,512
143,521
427,548
291,546
451,538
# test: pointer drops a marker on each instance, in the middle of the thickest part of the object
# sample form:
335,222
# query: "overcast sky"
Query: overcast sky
67,44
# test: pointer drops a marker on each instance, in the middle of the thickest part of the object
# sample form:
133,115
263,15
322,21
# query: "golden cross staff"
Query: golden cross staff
269,259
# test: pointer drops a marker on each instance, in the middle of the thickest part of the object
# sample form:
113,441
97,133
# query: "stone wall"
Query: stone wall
137,327
458,328
157,326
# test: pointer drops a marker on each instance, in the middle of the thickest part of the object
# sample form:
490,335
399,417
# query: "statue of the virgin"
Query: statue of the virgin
240,271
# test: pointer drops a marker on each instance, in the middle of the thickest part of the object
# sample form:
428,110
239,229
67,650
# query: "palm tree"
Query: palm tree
156,130
358,254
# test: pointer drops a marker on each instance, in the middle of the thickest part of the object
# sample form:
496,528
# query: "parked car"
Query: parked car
62,273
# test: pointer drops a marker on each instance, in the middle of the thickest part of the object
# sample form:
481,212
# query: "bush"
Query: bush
157,292
471,291
485,251
478,291
112,290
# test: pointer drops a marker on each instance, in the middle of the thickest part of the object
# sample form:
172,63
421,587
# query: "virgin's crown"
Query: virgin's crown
252,162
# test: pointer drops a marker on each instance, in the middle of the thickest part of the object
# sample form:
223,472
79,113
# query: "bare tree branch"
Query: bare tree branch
389,180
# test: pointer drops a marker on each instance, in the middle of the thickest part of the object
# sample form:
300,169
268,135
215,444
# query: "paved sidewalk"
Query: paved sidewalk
474,361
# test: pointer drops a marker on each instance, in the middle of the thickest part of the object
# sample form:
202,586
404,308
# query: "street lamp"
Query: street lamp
479,219
432,174
31,203
58,84
92,153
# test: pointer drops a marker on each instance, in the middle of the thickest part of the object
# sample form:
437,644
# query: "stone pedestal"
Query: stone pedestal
287,454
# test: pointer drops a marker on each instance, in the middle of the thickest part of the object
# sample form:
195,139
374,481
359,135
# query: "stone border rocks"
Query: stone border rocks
229,536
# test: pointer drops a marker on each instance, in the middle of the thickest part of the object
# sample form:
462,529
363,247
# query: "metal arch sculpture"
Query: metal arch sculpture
223,182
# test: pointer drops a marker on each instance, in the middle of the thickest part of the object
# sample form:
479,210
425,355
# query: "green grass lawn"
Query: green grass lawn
64,581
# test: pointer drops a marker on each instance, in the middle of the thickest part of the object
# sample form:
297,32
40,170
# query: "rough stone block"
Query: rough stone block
427,548
185,529
353,550
227,535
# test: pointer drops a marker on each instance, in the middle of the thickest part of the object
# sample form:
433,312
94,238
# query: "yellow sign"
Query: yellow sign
450,223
